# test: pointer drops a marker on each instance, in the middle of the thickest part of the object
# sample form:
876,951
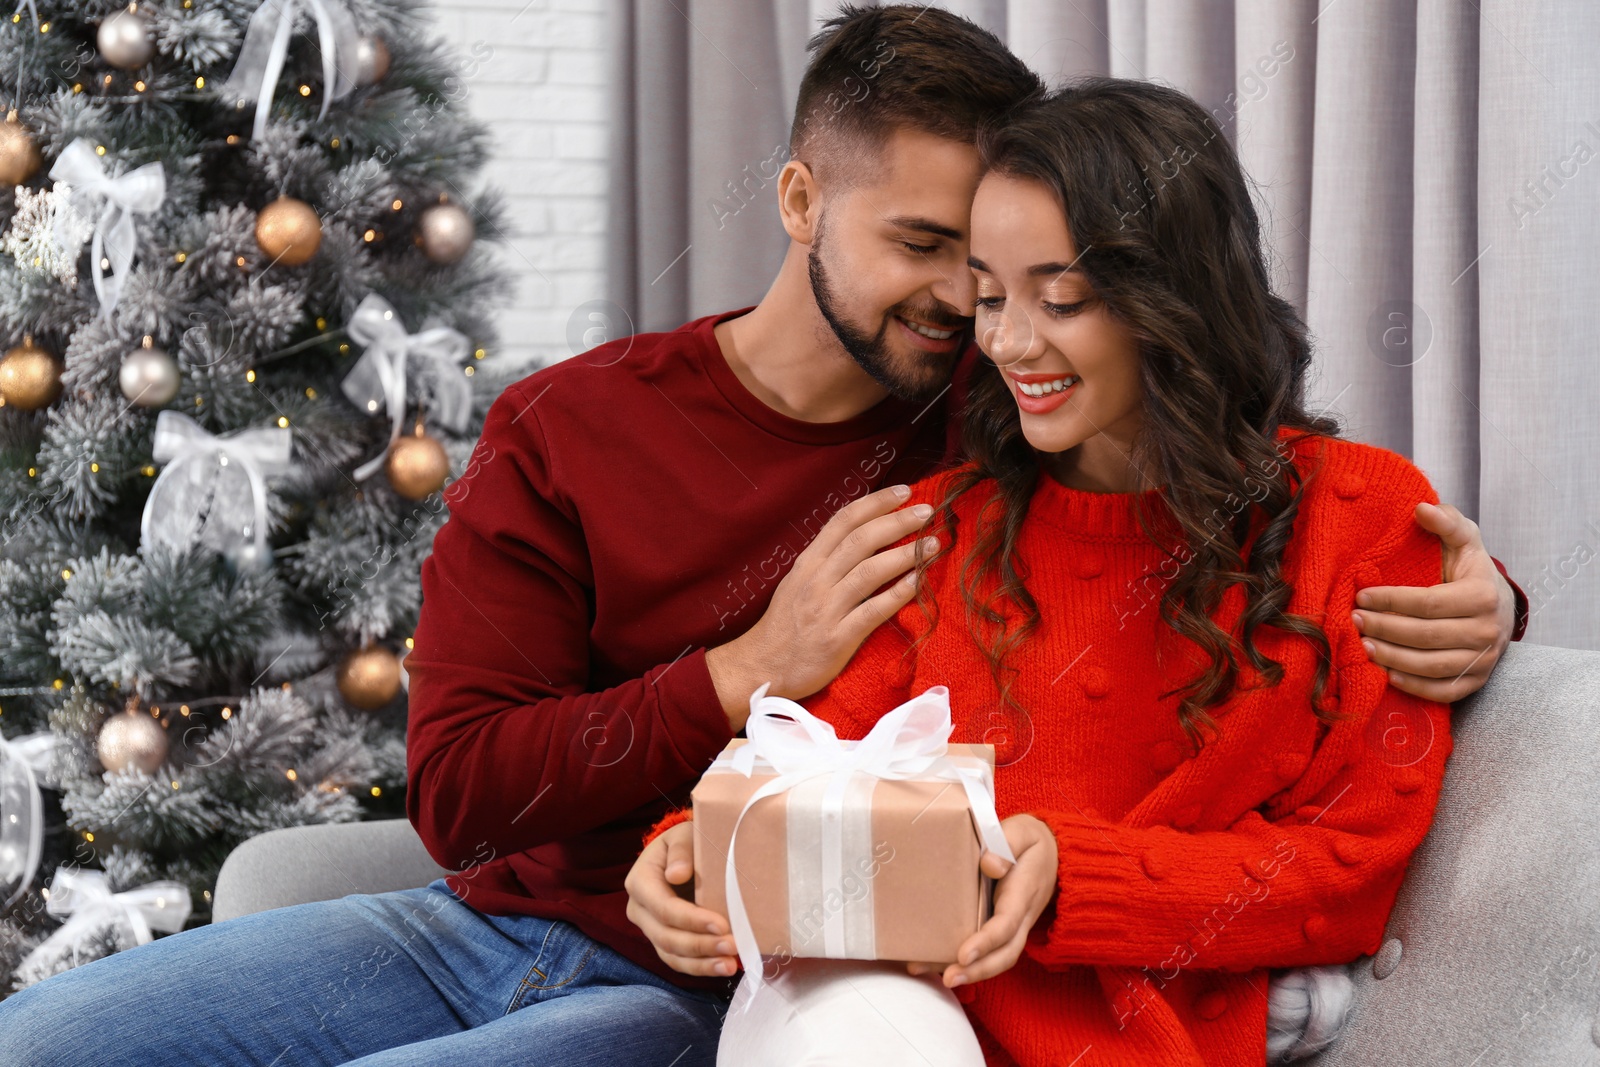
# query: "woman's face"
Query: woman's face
1038,319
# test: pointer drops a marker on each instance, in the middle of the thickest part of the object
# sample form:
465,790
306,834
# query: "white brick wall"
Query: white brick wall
540,85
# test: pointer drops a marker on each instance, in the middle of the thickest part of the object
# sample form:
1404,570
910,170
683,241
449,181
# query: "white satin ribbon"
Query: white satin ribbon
911,741
181,443
139,192
266,44
850,930
34,26
23,762
84,899
379,377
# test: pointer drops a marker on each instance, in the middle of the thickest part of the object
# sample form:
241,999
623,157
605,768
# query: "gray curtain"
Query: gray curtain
1423,169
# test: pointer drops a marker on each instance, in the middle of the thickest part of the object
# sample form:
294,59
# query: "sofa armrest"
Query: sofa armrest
305,863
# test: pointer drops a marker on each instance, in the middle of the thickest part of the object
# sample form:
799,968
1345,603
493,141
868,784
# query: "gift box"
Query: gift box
862,849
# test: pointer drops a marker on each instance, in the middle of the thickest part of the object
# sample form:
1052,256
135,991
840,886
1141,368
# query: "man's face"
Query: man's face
888,263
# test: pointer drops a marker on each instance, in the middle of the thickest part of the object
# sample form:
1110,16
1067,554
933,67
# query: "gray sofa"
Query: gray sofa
1492,953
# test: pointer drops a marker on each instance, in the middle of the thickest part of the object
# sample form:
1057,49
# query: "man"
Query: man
645,534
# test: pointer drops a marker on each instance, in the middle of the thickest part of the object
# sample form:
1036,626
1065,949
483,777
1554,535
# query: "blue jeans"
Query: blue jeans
403,979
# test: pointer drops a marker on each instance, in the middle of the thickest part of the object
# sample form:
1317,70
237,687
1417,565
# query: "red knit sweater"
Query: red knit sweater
1182,877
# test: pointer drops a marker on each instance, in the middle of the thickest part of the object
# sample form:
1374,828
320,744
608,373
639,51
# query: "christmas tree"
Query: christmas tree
245,317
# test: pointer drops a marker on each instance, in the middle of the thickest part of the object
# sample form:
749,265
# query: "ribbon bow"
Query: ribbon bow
23,761
139,192
86,897
379,377
180,442
909,742
266,43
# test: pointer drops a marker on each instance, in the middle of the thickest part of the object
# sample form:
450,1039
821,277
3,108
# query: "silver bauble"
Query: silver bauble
246,558
125,39
149,377
445,232
372,60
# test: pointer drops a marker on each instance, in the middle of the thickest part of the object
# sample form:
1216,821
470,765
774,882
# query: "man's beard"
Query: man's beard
872,352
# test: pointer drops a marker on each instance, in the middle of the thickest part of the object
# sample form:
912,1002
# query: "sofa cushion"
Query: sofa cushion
1492,952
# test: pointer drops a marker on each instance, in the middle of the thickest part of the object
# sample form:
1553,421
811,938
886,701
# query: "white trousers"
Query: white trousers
847,1013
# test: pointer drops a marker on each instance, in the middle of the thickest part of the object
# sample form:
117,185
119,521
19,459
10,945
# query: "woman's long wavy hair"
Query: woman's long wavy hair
1160,210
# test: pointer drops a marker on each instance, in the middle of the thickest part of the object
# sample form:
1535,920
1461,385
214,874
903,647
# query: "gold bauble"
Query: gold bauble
30,377
288,231
19,155
132,739
369,678
417,466
445,232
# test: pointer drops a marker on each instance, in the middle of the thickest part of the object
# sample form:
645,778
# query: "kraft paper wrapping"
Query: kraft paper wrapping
912,891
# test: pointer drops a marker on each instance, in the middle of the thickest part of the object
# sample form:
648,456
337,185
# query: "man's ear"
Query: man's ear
798,201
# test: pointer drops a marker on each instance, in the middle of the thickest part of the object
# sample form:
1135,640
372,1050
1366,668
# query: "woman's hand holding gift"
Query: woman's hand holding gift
1021,895
689,938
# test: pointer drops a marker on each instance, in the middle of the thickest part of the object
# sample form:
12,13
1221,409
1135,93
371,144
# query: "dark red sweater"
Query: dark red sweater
624,510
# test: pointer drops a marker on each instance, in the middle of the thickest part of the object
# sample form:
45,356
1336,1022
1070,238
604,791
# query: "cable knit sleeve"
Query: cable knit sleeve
1310,877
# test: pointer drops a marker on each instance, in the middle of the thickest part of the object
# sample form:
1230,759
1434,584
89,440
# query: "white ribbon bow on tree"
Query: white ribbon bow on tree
139,192
266,43
379,377
909,742
181,443
86,897
23,762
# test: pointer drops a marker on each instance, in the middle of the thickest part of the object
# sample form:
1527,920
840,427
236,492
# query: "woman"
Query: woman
1139,599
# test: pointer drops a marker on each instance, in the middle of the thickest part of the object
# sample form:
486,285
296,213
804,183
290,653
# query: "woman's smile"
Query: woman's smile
1039,394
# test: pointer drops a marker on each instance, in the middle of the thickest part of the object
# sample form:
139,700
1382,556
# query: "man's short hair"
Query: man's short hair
876,69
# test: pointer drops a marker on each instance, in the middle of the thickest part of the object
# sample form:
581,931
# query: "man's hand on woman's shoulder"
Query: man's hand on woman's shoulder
1441,642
